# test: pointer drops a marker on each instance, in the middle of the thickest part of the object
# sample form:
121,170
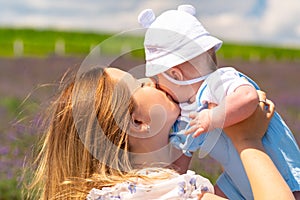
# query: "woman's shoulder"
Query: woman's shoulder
158,184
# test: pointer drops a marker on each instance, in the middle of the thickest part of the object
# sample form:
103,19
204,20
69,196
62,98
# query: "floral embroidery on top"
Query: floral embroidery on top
96,194
182,188
204,188
132,188
185,186
193,183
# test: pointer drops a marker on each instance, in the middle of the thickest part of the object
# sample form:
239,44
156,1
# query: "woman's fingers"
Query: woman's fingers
261,95
271,108
266,104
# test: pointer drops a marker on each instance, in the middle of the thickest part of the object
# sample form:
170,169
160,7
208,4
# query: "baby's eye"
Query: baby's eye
143,84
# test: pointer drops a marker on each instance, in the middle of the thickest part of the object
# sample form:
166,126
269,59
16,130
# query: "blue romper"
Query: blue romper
279,144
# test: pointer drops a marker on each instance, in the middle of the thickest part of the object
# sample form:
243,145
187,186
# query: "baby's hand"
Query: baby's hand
200,122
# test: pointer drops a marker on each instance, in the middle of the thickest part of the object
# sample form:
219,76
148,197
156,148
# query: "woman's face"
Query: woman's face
153,116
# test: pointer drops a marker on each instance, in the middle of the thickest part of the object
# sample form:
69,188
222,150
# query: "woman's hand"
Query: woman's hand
251,130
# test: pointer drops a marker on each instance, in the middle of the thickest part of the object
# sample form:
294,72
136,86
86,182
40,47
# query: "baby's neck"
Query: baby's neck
197,86
192,99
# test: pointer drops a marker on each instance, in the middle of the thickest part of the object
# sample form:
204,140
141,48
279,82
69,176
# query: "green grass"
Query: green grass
9,190
259,52
11,104
42,43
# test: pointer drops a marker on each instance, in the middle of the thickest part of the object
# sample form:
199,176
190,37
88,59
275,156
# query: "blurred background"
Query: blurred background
41,39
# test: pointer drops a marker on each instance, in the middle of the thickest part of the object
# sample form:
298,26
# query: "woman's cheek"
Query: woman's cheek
173,111
159,117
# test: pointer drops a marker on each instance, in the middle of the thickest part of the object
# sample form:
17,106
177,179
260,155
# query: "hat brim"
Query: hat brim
184,53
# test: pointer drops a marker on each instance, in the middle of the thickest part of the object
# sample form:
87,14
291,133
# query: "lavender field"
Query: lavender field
26,84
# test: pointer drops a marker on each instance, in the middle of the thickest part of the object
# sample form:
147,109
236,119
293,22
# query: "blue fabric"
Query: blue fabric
278,142
229,188
187,144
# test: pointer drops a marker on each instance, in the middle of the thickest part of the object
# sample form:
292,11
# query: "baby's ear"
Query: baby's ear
176,74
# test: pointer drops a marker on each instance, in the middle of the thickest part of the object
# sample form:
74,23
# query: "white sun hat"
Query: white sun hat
173,38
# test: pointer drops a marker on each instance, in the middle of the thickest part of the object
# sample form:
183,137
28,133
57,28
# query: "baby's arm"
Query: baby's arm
235,107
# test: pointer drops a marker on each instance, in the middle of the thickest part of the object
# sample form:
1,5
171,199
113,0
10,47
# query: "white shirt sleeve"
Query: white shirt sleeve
221,83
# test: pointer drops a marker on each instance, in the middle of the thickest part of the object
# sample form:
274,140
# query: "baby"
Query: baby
181,54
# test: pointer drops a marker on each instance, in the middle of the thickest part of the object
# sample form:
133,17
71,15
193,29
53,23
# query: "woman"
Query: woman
73,147
96,134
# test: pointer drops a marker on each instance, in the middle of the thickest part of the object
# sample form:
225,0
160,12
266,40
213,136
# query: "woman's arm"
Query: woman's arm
265,180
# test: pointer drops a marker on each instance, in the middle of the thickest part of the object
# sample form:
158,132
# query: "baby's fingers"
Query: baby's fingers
198,132
192,129
194,122
193,115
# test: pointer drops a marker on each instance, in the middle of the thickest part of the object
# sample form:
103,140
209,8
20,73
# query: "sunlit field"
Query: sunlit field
33,61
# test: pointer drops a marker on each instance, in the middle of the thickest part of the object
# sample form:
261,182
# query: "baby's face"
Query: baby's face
195,68
179,93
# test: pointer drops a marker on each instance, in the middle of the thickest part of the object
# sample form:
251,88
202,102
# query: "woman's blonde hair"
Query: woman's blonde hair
84,137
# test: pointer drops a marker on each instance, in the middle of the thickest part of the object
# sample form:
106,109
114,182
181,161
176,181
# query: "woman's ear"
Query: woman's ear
138,125
176,73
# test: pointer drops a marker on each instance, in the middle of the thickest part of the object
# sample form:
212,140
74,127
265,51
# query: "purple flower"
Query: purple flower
16,151
4,150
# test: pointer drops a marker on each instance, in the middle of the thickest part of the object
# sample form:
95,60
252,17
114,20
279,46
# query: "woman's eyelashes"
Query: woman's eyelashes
157,86
148,84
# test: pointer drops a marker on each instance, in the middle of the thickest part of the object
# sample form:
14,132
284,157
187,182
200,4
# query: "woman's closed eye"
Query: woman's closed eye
149,84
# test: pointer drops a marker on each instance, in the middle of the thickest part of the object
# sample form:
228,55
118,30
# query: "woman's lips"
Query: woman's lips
170,97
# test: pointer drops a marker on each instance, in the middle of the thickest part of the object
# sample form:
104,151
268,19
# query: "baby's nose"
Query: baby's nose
150,83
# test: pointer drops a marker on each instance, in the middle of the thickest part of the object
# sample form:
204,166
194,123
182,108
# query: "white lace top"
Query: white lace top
185,186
